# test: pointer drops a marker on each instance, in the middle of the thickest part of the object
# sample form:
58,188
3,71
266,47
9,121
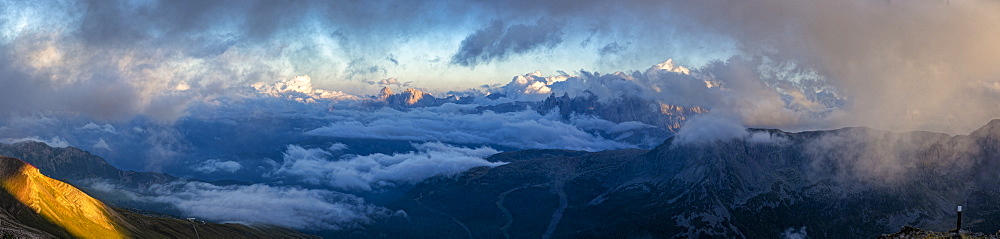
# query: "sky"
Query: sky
438,44
914,65
141,52
926,65
279,93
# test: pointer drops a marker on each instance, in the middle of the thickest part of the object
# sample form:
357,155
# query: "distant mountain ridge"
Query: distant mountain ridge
73,164
410,98
845,183
622,109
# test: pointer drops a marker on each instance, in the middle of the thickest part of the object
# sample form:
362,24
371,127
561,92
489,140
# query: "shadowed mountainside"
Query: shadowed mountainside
846,183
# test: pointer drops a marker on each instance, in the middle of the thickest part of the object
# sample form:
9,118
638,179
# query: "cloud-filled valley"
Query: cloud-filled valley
292,207
525,129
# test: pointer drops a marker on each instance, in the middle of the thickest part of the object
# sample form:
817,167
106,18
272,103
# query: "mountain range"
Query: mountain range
72,164
618,109
852,182
845,183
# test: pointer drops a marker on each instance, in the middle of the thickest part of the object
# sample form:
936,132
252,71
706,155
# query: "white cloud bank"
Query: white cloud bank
454,124
290,207
217,165
300,89
318,166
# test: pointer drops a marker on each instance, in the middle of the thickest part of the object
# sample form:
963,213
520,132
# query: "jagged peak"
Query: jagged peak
669,67
384,93
413,95
413,91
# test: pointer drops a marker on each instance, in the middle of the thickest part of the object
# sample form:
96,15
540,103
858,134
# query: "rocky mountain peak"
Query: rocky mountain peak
412,96
384,93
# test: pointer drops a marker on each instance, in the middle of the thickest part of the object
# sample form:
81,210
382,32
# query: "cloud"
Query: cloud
113,61
532,86
300,89
734,89
795,233
737,93
355,172
893,72
612,48
664,82
391,81
101,144
700,129
497,41
337,147
858,156
118,60
453,123
292,207
140,144
906,65
163,144
762,137
106,127
217,165
55,141
912,65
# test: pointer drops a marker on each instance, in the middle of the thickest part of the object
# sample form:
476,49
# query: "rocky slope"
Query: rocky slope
33,205
846,183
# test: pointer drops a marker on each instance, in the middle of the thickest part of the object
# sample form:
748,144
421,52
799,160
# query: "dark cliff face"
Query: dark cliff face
852,182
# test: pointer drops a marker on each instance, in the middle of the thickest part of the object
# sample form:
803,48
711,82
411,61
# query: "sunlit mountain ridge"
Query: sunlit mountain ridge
36,206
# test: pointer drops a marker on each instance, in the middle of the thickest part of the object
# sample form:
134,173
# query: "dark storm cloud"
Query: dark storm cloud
612,48
497,41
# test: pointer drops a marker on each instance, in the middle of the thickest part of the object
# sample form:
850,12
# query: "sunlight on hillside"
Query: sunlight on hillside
62,204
